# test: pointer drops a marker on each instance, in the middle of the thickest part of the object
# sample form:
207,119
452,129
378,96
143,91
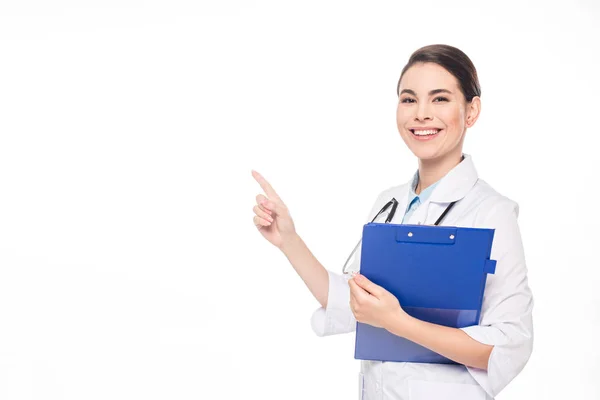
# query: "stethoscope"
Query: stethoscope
394,204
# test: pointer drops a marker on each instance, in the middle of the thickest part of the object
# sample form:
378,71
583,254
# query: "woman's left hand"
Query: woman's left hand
371,304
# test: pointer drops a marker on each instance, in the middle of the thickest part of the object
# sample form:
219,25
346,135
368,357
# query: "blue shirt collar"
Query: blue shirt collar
423,196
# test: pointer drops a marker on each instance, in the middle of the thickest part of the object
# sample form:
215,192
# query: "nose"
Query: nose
423,112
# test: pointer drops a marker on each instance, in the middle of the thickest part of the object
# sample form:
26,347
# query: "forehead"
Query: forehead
423,77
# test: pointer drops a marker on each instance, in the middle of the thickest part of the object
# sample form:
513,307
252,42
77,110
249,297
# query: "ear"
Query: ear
473,110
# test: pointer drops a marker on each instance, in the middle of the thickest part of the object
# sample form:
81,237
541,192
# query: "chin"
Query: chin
426,153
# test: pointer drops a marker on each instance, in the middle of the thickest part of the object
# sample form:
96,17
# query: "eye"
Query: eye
440,98
407,100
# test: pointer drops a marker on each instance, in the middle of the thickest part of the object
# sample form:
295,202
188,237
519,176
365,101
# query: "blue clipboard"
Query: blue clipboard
438,274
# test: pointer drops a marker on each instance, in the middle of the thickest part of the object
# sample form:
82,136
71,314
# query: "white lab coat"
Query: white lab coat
506,320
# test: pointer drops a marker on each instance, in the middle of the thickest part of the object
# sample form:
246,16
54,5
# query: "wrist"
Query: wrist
401,324
290,244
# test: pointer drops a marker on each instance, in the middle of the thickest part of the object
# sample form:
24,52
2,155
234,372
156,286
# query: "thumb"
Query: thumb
369,286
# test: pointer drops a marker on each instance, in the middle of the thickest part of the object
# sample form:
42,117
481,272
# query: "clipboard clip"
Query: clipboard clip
425,234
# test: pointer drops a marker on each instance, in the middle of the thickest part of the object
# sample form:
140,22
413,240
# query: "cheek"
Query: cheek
401,116
453,118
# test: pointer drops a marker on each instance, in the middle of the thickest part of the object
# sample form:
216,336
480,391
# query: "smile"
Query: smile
425,134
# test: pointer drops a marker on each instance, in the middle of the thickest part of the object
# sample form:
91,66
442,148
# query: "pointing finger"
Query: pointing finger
266,186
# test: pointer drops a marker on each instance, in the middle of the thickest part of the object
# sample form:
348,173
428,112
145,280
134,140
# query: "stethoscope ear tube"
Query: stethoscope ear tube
394,203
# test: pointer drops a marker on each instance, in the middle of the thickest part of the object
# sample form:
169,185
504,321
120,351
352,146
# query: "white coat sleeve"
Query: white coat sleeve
506,314
338,318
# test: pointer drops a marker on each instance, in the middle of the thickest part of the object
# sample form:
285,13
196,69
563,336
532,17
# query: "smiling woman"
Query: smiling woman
438,100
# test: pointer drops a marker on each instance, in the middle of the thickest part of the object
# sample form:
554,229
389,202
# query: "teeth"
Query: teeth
427,132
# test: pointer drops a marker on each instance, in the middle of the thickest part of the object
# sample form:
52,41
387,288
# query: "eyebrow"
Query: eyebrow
431,93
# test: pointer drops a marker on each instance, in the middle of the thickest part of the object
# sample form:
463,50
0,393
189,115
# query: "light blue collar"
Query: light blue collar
423,196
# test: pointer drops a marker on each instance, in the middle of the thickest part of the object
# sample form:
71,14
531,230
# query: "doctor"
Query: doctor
438,100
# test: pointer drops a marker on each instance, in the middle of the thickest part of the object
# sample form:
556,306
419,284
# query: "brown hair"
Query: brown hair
454,61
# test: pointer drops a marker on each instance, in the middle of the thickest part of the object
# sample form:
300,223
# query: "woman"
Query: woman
439,99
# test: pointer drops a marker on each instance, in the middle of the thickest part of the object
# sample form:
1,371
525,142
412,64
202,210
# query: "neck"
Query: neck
431,171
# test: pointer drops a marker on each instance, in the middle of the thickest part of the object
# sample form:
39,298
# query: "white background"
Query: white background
130,267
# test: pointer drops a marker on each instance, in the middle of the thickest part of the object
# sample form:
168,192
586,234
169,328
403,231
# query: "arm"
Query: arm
318,280
451,343
335,316
506,314
311,271
330,289
373,305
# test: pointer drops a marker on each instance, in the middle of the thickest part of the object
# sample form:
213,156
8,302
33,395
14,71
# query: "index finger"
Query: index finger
266,186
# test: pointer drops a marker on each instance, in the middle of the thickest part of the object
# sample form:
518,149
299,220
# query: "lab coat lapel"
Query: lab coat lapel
452,187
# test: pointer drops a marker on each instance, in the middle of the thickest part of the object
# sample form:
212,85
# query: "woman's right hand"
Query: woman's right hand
272,218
